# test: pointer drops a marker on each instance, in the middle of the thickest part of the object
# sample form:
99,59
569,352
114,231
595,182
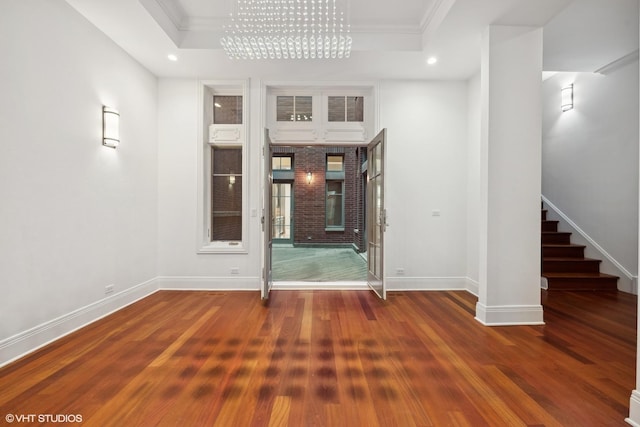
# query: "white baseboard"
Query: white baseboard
206,283
634,409
544,283
19,345
427,284
508,315
473,286
314,286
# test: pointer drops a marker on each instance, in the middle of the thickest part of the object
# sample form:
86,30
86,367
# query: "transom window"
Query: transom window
335,163
346,109
282,163
294,108
227,110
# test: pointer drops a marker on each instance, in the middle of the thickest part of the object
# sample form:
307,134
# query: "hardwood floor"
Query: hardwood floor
341,358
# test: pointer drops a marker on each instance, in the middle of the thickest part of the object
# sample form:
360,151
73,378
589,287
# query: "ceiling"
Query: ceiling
391,39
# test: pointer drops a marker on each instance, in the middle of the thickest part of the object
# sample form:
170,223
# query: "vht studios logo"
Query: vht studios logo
43,418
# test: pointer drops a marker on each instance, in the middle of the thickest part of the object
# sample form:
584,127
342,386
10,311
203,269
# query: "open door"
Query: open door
376,214
267,279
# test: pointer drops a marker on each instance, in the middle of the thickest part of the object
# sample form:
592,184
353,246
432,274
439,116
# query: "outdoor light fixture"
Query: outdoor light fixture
232,179
287,29
567,98
309,176
110,127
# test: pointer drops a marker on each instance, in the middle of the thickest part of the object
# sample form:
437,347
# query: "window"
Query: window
227,110
294,108
226,194
335,163
346,109
282,163
335,192
335,205
222,215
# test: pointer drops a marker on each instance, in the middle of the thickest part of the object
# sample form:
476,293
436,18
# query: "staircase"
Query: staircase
564,265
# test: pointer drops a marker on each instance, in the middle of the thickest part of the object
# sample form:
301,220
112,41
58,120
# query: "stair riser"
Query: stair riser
573,284
556,239
564,265
563,252
577,266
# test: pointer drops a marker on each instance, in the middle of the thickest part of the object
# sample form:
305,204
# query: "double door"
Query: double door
274,222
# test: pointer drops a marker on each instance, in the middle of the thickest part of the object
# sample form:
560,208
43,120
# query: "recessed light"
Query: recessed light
432,60
172,57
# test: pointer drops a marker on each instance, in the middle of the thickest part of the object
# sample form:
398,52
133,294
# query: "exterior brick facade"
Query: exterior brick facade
309,199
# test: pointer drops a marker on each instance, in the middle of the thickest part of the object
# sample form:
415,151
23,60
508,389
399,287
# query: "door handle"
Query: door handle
383,220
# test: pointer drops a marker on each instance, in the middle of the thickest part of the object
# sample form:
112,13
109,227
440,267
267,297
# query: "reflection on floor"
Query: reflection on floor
317,264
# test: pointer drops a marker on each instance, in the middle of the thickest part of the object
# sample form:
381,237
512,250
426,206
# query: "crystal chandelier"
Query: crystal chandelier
287,29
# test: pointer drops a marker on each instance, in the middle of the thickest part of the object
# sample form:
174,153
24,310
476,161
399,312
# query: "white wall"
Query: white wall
473,181
76,216
426,172
590,157
179,265
427,132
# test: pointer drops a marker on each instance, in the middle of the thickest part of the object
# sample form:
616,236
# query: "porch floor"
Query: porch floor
317,264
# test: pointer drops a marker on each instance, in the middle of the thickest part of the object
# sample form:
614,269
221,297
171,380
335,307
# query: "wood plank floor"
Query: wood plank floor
343,358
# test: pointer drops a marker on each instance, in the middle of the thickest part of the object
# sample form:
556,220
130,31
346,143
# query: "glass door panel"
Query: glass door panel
267,277
376,215
281,211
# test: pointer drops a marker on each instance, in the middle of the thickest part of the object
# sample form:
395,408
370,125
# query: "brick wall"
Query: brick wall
310,198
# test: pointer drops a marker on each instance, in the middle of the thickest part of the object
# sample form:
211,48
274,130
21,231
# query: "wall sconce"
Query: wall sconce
232,179
110,127
309,176
567,98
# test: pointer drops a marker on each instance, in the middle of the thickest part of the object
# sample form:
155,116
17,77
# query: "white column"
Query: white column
510,177
634,401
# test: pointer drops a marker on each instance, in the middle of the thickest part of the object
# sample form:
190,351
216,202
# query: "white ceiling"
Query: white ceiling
391,39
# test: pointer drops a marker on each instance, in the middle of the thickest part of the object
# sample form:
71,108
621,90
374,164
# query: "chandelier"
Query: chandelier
287,29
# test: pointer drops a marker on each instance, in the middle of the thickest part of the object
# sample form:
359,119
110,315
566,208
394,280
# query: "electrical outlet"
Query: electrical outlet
400,271
109,289
235,270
